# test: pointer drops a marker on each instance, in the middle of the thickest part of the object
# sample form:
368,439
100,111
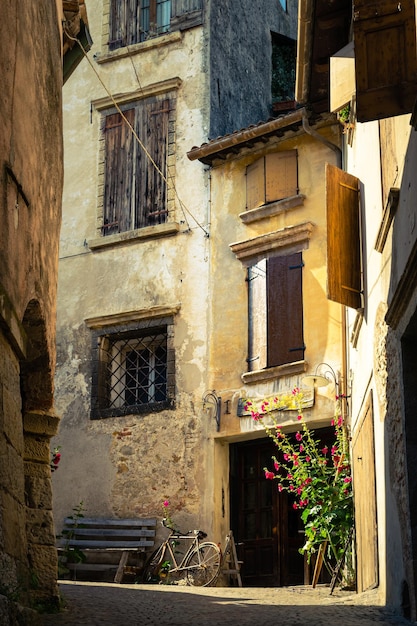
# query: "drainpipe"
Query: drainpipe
313,133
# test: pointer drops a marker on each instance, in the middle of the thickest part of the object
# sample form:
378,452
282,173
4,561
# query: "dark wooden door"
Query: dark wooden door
267,529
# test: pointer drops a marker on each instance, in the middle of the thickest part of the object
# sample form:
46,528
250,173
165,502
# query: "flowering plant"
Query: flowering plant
55,459
317,476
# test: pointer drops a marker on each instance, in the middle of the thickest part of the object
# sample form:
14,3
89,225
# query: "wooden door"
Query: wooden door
363,466
267,530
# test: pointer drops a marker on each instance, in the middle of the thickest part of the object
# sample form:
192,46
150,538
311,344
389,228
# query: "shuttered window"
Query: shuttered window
132,21
343,237
271,178
135,191
276,311
385,58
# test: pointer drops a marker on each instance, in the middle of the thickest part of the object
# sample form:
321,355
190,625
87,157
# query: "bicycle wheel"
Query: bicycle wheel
153,565
204,565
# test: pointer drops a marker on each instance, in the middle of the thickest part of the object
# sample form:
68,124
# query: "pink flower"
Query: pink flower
295,391
334,450
295,505
255,416
299,491
269,475
339,420
348,479
308,459
298,436
286,456
332,422
276,465
301,447
299,417
166,503
280,487
289,476
324,450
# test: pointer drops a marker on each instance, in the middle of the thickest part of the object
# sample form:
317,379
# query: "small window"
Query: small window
271,178
135,174
283,3
275,311
133,373
284,52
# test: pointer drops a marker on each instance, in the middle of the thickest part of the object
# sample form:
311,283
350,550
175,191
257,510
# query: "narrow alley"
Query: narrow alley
98,604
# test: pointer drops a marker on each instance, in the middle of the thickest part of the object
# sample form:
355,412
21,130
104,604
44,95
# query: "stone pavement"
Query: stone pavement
107,604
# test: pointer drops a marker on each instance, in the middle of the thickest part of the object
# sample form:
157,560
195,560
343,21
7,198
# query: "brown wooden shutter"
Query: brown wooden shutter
123,23
285,309
343,237
118,173
255,184
385,58
151,188
280,175
363,463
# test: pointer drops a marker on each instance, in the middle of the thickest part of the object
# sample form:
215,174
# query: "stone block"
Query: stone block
40,527
44,567
13,418
38,492
11,471
37,448
14,526
41,423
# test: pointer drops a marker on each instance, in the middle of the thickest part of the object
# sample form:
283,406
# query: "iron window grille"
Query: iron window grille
134,374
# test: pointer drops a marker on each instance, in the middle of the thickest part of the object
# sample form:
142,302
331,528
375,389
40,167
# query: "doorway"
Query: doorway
267,530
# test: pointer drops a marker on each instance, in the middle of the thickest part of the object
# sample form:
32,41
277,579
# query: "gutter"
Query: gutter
248,134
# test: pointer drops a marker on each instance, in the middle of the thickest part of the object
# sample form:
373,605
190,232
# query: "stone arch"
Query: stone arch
36,372
39,424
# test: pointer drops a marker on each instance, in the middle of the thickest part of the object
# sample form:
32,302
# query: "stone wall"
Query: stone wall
31,174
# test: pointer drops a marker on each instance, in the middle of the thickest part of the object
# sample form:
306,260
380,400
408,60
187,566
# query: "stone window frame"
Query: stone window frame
284,241
127,325
103,106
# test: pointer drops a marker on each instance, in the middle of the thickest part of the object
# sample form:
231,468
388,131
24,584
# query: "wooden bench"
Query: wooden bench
106,544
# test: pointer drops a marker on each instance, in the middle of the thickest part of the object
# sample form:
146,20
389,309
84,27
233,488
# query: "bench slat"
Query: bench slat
97,522
108,532
122,545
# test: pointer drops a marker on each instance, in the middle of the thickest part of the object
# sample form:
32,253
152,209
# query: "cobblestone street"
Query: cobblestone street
98,604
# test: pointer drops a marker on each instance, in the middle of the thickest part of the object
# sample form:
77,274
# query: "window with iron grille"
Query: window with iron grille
135,174
133,373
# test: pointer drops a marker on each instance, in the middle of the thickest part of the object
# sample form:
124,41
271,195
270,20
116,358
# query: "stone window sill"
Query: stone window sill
134,236
271,209
272,373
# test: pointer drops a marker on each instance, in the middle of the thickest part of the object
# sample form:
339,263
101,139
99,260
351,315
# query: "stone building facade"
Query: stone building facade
31,54
374,95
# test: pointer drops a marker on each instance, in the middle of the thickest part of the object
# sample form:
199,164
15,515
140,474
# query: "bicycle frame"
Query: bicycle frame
168,548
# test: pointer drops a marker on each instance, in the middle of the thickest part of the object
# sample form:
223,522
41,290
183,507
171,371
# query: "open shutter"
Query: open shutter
255,184
343,237
280,175
285,309
385,58
118,174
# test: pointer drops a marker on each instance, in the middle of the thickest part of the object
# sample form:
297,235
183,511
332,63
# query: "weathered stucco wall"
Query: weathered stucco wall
31,187
127,466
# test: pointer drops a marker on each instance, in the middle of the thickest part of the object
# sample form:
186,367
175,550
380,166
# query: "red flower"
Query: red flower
324,450
299,417
269,475
276,465
298,436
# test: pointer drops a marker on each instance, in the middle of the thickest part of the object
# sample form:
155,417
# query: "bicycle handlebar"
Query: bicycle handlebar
199,533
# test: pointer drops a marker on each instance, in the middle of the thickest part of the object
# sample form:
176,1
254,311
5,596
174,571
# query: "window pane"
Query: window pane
163,15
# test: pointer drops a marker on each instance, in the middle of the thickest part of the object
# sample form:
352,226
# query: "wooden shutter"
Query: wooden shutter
280,175
151,188
343,237
385,58
255,184
118,173
124,23
363,463
285,309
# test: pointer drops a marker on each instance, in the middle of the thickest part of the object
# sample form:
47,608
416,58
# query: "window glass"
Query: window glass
132,21
284,51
